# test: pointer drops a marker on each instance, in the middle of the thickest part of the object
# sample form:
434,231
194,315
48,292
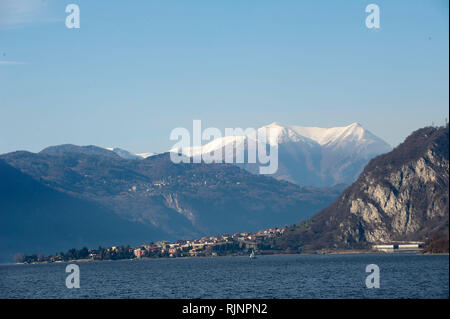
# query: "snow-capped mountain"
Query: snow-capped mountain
123,153
145,155
309,156
128,155
312,156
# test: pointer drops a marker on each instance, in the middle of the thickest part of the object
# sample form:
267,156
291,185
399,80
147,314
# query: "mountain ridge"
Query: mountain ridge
38,219
401,195
182,200
308,156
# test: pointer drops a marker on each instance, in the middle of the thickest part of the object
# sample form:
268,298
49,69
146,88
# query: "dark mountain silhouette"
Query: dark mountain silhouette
37,219
401,195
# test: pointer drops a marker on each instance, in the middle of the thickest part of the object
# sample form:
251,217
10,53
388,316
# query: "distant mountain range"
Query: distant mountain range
401,195
307,156
68,196
311,156
170,201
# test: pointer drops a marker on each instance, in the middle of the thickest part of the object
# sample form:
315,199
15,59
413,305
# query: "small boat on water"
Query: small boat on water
252,255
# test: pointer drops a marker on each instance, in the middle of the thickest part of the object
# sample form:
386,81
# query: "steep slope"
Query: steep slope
401,195
35,218
306,155
183,200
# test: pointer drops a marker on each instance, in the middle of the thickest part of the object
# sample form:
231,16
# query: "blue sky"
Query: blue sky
136,70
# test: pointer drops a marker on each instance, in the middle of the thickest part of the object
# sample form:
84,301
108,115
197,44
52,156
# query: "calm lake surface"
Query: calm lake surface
286,276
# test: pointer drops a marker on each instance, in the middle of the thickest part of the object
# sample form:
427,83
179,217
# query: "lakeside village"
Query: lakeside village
223,245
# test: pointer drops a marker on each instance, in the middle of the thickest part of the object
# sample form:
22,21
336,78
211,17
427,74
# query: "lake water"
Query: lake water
287,276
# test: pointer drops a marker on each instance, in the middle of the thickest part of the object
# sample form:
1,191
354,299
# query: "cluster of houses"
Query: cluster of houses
207,245
239,243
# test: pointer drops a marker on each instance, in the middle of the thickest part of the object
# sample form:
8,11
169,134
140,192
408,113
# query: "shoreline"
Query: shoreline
343,252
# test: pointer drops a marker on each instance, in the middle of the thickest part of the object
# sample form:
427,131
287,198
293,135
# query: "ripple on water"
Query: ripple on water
290,276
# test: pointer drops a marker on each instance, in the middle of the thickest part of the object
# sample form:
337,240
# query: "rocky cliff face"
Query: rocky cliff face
401,195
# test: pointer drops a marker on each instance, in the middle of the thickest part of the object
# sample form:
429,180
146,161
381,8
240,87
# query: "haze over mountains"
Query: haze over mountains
172,201
35,218
119,197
